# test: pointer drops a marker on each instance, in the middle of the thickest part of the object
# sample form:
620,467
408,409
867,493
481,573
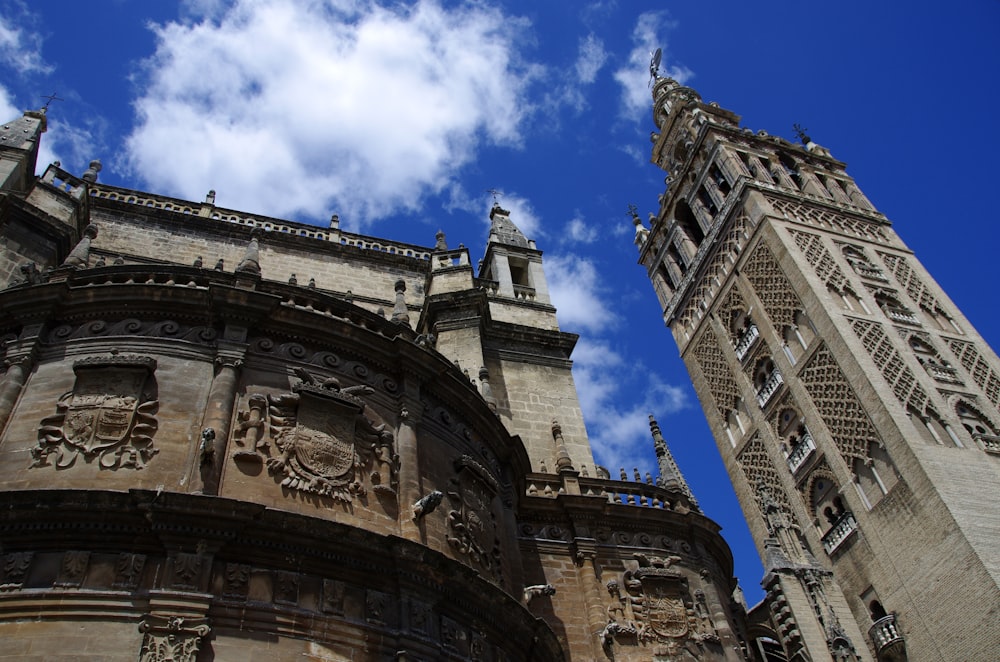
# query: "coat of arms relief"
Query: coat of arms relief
108,417
652,605
326,439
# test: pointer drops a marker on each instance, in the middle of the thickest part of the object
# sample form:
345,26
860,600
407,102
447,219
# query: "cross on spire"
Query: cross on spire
49,99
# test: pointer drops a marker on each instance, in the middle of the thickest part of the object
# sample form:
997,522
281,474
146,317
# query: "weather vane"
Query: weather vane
654,64
49,99
633,211
495,193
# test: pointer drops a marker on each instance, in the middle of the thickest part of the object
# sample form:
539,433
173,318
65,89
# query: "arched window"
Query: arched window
687,221
766,380
980,428
875,476
894,309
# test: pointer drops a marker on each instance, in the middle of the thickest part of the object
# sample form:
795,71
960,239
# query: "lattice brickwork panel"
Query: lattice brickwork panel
759,471
816,254
829,220
904,383
732,306
730,246
772,287
851,428
980,370
717,373
901,269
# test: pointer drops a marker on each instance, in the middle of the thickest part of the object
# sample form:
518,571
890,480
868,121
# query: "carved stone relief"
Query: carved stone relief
109,416
15,570
128,571
326,440
72,569
472,519
237,581
652,605
171,638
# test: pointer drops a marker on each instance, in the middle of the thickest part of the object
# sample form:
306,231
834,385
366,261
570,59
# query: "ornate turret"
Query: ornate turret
670,475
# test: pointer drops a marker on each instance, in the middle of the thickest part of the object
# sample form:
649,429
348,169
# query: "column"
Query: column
410,484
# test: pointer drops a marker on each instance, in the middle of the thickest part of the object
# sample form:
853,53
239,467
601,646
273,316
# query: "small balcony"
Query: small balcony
769,388
866,270
841,531
990,442
801,452
886,638
942,372
747,341
901,315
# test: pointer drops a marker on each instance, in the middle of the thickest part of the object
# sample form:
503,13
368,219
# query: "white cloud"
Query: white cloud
619,433
580,231
647,36
590,59
21,47
577,292
309,108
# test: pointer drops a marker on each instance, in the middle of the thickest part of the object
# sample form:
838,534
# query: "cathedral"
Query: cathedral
856,410
227,436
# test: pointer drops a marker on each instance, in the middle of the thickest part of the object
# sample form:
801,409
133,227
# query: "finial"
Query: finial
250,263
495,193
633,211
210,198
197,262
400,314
654,64
335,221
79,257
441,244
91,173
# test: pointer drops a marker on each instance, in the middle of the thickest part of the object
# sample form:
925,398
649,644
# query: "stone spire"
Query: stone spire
670,475
503,230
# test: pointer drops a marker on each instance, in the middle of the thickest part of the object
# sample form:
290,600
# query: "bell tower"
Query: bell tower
855,408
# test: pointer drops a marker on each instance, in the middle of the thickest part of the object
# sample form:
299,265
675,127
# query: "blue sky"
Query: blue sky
399,116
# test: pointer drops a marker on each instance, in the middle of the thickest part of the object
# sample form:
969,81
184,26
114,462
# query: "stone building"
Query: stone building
226,436
855,408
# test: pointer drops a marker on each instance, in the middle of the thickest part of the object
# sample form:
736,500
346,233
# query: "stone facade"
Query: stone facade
226,436
854,406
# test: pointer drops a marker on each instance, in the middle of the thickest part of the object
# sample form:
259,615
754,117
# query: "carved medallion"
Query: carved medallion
327,441
108,416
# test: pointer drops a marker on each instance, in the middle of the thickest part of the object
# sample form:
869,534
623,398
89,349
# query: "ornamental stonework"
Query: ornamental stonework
651,605
319,439
171,638
109,418
473,529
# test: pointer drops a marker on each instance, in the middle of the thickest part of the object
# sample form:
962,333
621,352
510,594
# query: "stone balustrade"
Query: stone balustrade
800,452
990,442
841,531
746,341
885,636
769,388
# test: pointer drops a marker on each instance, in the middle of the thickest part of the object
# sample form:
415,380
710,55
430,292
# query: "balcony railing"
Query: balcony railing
747,341
991,443
942,372
901,315
885,635
800,452
769,388
840,532
524,292
866,270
